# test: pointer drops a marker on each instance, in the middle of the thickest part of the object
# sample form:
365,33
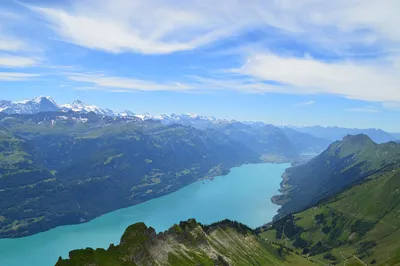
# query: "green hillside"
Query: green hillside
361,224
189,243
54,165
343,164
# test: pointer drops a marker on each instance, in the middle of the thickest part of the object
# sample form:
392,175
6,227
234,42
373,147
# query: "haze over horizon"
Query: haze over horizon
280,62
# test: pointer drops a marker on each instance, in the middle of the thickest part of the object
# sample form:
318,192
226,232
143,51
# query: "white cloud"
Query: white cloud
149,27
9,61
119,84
16,76
11,44
165,26
367,81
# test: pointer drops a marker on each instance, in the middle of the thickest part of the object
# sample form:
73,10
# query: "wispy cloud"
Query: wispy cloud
9,61
305,103
16,76
170,25
373,81
8,43
118,84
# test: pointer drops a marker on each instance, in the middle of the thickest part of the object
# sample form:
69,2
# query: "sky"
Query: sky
309,62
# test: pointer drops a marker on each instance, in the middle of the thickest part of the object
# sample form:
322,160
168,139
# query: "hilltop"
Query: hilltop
345,163
189,243
352,191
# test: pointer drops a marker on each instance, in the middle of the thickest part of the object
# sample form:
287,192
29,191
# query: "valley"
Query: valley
243,195
68,173
55,159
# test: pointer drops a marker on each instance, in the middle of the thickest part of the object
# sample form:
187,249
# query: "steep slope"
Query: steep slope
189,243
343,164
337,133
360,225
54,165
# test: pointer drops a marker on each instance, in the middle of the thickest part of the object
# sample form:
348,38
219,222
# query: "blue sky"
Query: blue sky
283,62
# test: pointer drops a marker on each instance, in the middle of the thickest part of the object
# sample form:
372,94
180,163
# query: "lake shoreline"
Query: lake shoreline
243,195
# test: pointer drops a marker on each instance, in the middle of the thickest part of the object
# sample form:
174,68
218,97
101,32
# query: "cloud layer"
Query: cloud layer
165,26
8,61
368,81
16,76
351,45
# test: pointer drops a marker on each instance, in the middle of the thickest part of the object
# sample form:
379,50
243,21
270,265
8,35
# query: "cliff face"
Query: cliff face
189,243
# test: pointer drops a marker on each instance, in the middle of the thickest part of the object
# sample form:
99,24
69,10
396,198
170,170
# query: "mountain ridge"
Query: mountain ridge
187,243
342,164
332,133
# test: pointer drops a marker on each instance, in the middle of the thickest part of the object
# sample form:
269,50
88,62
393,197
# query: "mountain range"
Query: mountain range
337,133
46,104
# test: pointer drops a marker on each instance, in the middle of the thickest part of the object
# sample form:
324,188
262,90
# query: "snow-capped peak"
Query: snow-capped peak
46,104
126,113
40,99
79,106
35,105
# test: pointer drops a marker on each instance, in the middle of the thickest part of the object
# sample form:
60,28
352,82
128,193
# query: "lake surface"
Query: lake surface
243,195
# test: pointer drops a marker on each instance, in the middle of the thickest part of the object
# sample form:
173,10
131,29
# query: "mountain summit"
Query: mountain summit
342,165
79,106
36,105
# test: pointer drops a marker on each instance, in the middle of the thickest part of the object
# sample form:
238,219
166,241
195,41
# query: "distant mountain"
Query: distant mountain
55,164
36,105
305,142
188,119
337,133
301,142
343,164
264,139
189,243
47,104
79,106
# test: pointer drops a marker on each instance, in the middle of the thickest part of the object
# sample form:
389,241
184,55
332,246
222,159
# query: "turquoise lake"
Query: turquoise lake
243,195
